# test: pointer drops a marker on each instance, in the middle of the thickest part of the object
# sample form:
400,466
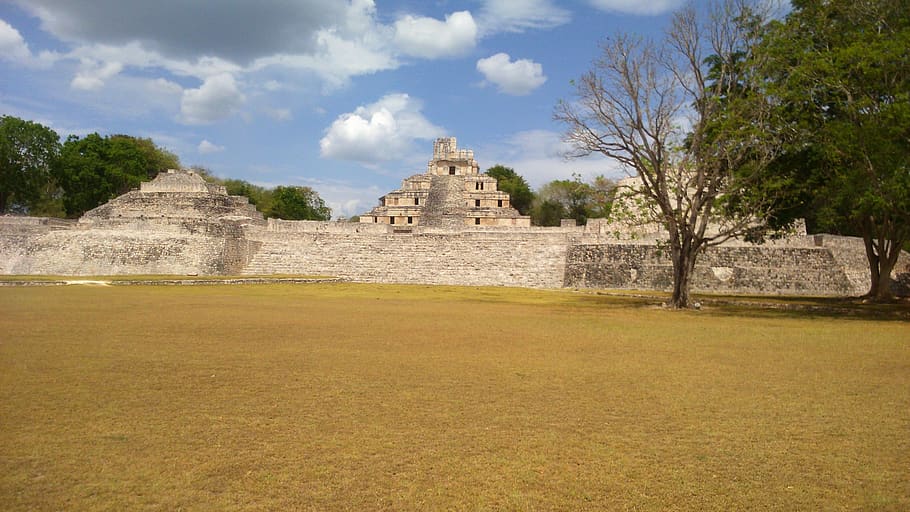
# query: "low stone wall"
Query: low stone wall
84,252
537,257
760,270
465,258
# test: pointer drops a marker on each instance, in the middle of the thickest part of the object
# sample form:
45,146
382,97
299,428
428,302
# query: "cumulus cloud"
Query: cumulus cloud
92,75
520,15
236,31
517,78
637,6
336,60
217,98
430,38
205,147
383,130
12,45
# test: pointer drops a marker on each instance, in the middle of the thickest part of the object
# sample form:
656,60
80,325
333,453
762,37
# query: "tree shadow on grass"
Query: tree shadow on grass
815,308
850,308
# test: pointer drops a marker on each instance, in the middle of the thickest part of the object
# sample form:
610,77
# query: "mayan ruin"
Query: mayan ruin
451,194
449,225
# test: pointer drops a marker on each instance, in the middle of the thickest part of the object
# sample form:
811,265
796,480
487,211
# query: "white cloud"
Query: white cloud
520,15
517,78
12,45
336,60
92,75
164,87
383,130
205,147
430,38
217,98
641,7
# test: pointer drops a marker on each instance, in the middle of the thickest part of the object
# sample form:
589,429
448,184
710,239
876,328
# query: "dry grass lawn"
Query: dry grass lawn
362,397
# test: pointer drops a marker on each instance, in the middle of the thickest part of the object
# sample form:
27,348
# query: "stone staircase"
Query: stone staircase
445,208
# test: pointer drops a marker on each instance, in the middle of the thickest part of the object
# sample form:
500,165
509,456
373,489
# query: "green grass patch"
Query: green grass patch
366,397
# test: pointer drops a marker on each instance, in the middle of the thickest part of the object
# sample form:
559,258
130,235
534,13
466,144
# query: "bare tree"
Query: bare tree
668,113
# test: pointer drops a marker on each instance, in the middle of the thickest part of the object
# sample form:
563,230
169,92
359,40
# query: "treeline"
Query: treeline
558,199
281,202
41,176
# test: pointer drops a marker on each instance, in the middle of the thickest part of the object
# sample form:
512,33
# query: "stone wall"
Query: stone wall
176,227
80,251
825,265
465,258
737,269
536,257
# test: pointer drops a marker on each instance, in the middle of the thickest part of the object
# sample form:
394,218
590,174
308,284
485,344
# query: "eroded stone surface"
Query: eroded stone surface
175,227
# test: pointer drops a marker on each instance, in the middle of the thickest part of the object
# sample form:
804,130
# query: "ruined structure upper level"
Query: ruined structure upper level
448,160
177,198
452,194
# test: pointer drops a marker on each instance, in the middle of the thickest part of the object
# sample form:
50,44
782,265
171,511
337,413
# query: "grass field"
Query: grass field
363,397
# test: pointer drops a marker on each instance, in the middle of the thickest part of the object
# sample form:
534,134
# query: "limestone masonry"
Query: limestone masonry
450,195
179,224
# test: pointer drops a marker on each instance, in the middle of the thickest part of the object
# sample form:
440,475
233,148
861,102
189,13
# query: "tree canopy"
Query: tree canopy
94,169
28,152
282,202
520,194
573,199
298,203
840,72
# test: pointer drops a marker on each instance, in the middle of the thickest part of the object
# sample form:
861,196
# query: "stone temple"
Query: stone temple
451,194
462,231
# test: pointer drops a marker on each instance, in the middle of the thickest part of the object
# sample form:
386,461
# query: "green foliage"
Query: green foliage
28,152
841,73
94,169
283,202
260,197
573,199
520,194
298,203
547,213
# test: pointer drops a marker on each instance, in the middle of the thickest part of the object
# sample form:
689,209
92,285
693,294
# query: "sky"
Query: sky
343,96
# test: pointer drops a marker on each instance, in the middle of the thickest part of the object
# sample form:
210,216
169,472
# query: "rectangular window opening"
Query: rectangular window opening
477,220
410,220
391,220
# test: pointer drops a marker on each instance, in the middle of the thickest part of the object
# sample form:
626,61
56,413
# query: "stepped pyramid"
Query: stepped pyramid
451,195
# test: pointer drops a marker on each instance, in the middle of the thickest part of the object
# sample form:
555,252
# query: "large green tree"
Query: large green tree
94,169
573,199
840,72
28,151
298,203
520,194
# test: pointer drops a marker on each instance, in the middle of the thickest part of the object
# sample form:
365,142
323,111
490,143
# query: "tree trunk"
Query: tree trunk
882,257
883,292
683,255
873,259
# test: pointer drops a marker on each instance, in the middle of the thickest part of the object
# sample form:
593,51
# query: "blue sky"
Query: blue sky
343,96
